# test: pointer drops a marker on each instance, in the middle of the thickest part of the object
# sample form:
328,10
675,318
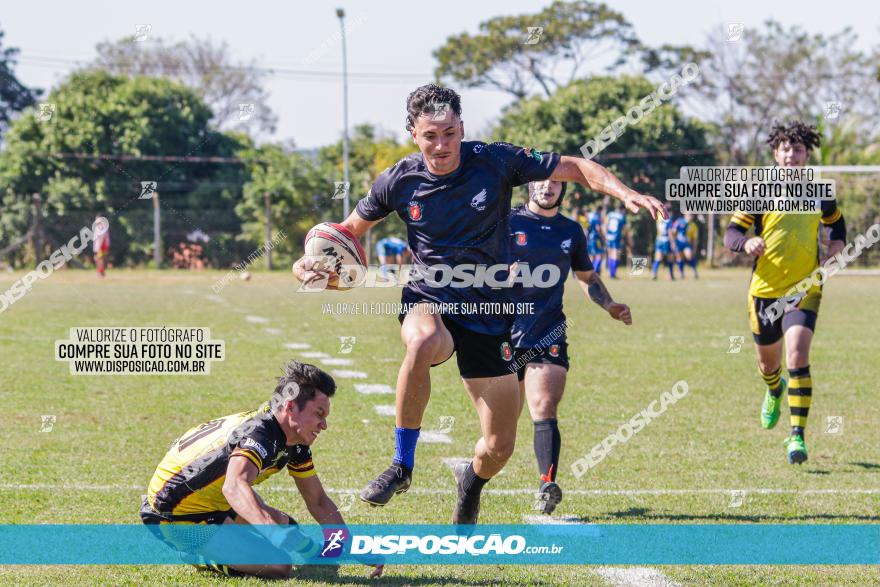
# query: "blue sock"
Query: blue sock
597,265
654,268
612,267
681,267
693,264
405,446
671,270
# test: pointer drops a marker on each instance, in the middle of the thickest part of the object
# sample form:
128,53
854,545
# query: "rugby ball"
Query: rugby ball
244,276
337,250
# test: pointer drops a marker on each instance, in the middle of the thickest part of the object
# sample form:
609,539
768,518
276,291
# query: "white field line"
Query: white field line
451,491
345,374
256,319
333,361
314,355
297,345
635,577
384,410
373,388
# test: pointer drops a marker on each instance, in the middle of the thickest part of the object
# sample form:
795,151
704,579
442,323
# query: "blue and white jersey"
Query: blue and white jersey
614,224
538,240
680,226
391,245
458,218
663,226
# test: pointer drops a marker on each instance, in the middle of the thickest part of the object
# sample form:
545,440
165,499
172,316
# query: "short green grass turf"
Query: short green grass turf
111,431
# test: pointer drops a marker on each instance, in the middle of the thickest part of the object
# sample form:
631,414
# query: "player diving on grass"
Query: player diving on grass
455,198
786,251
542,236
208,474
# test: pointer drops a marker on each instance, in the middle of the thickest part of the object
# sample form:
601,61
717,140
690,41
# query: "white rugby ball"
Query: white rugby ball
244,276
339,251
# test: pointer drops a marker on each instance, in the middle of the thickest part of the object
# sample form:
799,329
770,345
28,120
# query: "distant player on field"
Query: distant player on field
786,250
616,230
207,476
595,238
685,228
101,244
540,236
663,248
455,197
391,251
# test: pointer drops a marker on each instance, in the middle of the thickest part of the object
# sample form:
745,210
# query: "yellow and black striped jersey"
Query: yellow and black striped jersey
189,480
791,249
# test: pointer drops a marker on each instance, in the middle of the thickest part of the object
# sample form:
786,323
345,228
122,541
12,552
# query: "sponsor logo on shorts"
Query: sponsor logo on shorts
415,211
506,351
554,350
521,238
251,443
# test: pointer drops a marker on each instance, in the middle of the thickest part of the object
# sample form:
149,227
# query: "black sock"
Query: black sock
472,483
547,445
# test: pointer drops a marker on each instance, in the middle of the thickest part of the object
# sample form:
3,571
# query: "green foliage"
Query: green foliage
14,96
503,56
101,113
580,111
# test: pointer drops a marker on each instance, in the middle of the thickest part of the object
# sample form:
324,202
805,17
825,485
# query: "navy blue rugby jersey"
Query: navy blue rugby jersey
458,218
538,240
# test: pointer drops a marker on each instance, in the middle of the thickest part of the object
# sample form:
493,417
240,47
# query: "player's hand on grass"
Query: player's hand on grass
314,274
755,246
621,312
635,201
377,571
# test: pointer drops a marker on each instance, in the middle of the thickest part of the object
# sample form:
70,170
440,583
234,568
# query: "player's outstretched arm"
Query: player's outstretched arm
240,475
323,509
319,504
592,285
592,175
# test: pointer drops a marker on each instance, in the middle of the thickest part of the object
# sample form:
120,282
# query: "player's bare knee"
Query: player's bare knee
500,449
421,345
797,358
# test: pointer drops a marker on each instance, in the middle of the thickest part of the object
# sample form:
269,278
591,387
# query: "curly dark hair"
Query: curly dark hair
301,382
430,99
794,132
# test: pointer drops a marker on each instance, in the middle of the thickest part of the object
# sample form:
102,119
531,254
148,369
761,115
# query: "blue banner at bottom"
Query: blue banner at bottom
582,544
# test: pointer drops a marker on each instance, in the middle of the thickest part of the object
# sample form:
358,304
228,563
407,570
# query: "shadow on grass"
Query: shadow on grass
317,574
867,465
646,514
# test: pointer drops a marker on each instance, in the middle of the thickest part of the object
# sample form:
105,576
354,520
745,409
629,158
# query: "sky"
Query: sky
393,38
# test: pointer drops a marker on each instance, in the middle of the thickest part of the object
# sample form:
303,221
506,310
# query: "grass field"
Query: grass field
111,431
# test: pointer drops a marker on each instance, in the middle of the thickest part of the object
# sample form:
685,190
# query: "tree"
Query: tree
202,65
98,113
517,53
299,190
14,96
776,73
371,153
580,111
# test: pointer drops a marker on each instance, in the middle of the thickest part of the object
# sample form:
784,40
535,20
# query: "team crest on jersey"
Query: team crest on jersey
478,147
506,351
415,211
521,238
554,350
565,245
478,202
